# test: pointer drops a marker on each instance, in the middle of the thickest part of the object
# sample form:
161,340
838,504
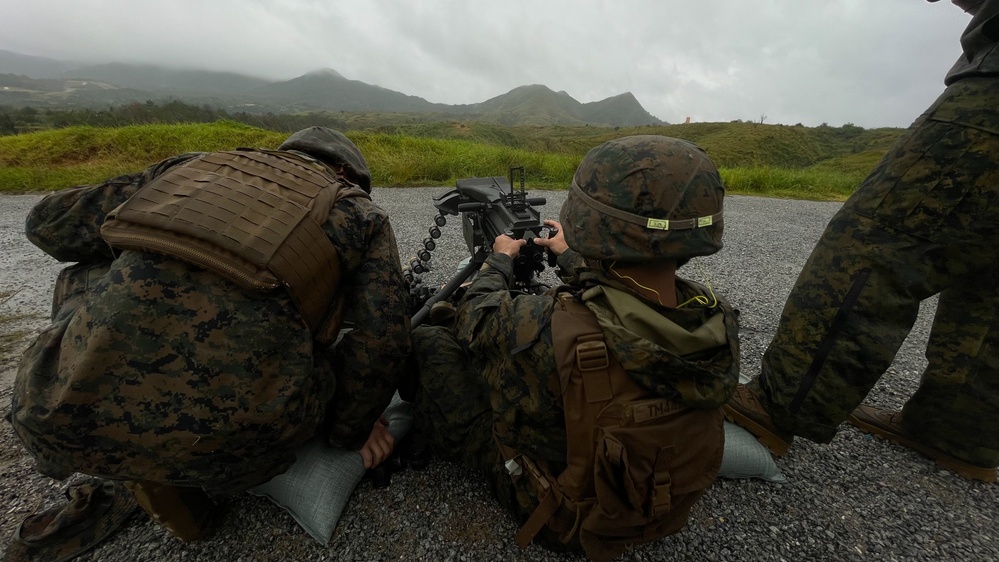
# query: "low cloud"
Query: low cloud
837,61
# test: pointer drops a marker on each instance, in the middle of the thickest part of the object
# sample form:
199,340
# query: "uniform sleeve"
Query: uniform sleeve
369,360
508,337
569,263
67,224
491,318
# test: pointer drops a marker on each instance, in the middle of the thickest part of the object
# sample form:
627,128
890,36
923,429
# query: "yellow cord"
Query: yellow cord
701,299
632,279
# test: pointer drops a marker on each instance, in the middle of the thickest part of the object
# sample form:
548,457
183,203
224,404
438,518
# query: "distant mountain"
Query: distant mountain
17,90
328,89
622,109
531,105
539,105
157,79
41,82
35,67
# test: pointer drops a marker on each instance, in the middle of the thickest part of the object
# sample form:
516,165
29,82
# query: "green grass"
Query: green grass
815,184
59,158
401,160
822,163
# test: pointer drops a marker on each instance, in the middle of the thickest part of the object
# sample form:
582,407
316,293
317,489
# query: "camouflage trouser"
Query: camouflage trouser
79,420
70,289
452,404
925,222
454,414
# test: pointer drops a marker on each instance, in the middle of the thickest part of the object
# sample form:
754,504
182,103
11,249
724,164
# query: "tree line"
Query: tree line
29,119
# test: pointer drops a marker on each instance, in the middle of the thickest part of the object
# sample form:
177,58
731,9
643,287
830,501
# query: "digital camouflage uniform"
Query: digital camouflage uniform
925,222
158,370
493,375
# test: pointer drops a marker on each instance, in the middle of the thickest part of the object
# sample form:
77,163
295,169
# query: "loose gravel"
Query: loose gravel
854,499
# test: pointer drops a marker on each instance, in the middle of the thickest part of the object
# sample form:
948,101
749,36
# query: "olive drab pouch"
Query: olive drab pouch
254,217
636,463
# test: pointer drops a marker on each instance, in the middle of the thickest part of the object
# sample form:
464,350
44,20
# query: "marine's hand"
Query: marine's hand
506,245
556,243
379,444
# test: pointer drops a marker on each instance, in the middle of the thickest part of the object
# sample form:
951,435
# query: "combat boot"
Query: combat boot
745,410
888,425
185,512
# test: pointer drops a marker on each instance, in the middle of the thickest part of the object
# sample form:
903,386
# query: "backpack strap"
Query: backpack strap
549,502
587,371
585,368
579,345
550,497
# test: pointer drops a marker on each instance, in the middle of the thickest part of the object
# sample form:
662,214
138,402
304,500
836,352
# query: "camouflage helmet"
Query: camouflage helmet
644,198
333,148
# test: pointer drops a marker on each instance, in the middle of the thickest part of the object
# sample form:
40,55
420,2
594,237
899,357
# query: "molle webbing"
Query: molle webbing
254,217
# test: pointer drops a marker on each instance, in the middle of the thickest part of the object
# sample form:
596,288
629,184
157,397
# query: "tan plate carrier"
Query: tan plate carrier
253,216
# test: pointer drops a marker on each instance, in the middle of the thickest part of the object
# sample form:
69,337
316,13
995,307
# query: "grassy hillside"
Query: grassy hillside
775,160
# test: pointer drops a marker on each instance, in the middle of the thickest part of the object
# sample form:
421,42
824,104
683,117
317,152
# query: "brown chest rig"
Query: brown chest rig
254,217
636,463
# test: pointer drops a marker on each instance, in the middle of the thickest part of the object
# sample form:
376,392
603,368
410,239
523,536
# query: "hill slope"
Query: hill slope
328,89
539,105
157,79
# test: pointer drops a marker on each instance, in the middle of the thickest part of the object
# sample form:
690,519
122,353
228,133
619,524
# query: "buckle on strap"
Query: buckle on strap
593,362
550,499
592,355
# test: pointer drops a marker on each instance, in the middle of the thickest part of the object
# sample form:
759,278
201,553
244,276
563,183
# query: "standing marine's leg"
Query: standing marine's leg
841,326
955,407
951,416
926,220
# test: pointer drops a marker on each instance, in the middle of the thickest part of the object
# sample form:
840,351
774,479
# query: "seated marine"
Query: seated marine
595,409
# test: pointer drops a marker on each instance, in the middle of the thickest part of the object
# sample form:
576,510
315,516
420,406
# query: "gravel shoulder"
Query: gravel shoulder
854,499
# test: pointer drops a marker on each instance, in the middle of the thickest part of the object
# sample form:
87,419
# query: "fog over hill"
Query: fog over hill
41,82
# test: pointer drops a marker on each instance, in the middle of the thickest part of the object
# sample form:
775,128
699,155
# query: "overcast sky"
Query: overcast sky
872,63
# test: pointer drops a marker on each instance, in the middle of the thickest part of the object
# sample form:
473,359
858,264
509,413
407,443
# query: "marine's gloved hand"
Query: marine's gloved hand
379,444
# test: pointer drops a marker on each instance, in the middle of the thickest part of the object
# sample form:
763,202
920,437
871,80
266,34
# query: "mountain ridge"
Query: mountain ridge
27,80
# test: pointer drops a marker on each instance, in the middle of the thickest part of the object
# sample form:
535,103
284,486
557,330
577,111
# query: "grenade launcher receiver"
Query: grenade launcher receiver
488,207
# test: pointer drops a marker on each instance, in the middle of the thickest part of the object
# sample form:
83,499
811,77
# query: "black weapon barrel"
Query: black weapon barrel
471,207
447,290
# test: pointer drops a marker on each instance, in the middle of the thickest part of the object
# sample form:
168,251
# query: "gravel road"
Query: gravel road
855,499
